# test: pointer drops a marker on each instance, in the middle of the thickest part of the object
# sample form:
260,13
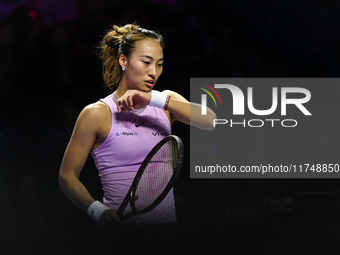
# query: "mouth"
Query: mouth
150,83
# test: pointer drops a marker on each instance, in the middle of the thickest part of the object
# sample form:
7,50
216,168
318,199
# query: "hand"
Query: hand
109,220
133,99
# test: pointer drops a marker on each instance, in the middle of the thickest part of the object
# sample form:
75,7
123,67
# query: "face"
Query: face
144,66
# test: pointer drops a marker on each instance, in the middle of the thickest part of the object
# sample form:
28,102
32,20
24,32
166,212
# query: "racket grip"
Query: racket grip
96,209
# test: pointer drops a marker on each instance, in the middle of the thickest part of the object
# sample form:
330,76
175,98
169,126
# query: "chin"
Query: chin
147,89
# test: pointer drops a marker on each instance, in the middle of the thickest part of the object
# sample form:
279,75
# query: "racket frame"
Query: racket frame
130,196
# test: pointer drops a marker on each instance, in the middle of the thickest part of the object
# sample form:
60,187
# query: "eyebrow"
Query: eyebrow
147,56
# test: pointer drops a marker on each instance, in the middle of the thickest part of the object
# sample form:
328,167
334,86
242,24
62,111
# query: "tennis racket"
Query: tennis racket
155,177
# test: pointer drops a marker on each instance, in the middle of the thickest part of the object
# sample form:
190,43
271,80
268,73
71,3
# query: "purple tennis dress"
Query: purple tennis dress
131,137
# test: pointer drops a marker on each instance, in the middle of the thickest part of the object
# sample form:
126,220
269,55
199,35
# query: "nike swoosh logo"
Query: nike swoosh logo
137,125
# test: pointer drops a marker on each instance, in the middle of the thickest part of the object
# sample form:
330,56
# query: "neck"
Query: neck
117,94
121,89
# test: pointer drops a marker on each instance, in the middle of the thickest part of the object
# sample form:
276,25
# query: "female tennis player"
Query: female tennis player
119,130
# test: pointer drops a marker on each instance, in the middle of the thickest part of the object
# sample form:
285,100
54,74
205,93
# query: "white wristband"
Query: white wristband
158,99
96,209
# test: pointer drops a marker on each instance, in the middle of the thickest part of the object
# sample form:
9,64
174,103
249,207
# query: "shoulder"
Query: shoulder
96,110
174,95
94,114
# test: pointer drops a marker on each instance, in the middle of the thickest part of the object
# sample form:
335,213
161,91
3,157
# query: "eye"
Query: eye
161,64
146,62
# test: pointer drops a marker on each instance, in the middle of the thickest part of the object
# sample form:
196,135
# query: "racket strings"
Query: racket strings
156,175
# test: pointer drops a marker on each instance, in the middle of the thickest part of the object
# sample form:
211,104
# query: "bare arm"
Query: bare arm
90,129
189,113
77,151
178,108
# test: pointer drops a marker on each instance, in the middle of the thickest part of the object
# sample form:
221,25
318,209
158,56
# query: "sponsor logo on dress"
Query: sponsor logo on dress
138,125
159,134
125,134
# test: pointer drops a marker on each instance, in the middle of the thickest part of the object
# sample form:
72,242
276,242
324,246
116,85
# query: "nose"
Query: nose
151,72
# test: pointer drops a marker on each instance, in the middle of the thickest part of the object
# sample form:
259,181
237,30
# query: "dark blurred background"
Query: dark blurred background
49,70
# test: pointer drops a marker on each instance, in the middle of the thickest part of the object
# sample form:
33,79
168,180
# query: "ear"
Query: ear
122,60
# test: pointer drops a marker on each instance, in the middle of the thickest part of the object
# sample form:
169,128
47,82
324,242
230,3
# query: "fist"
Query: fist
108,220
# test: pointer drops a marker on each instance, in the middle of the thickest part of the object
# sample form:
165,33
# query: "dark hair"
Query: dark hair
121,40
